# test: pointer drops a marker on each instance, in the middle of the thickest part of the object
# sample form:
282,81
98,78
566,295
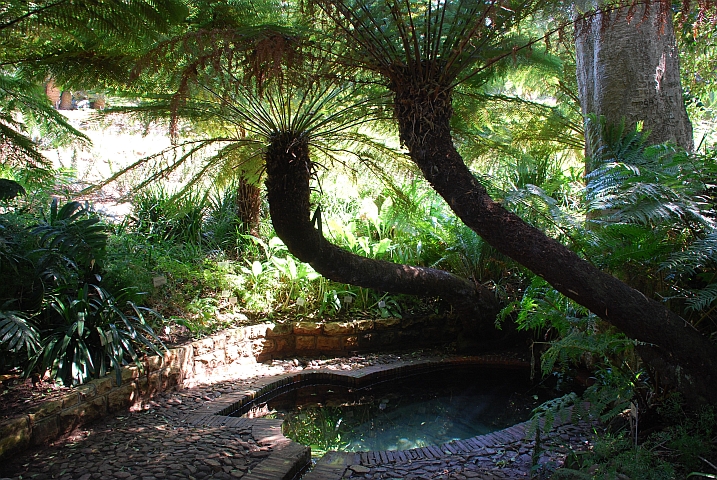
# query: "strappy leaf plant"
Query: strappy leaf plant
63,247
55,314
91,330
70,237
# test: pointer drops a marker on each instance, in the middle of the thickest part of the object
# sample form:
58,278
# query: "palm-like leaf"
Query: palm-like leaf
72,233
238,117
441,41
93,331
18,333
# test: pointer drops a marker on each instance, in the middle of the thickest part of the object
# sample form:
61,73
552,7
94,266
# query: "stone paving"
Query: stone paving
159,440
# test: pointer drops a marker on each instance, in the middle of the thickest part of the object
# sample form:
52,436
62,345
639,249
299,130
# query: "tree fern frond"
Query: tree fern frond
433,40
39,119
631,182
699,255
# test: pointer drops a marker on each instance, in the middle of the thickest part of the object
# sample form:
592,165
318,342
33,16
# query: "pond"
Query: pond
413,411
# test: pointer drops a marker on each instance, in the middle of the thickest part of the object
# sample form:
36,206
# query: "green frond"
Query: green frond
84,20
542,307
522,108
703,298
701,254
239,160
573,347
633,183
20,136
425,37
80,41
544,415
18,333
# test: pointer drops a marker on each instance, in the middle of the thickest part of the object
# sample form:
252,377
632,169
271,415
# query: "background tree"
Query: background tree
628,70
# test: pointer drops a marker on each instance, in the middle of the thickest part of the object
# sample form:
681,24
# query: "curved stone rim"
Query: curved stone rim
291,458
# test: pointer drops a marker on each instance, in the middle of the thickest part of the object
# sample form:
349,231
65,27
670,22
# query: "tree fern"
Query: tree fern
70,41
234,112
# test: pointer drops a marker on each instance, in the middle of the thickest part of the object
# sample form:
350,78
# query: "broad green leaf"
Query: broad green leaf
383,246
292,267
365,247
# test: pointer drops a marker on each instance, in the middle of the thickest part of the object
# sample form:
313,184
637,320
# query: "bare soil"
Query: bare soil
20,395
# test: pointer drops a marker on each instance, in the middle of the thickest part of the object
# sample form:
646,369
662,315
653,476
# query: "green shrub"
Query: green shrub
55,314
85,332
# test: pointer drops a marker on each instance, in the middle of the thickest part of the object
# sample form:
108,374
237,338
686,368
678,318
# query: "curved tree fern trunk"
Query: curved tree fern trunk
673,349
289,169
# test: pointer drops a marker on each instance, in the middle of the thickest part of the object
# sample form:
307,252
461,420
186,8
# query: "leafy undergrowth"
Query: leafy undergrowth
676,444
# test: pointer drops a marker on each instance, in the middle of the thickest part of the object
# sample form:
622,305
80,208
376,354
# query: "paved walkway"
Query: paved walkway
175,437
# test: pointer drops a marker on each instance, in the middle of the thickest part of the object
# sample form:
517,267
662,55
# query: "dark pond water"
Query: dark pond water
415,411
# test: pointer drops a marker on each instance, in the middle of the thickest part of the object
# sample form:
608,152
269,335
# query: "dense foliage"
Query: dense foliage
83,294
56,315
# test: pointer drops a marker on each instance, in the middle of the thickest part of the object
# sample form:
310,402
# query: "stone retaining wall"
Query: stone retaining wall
216,354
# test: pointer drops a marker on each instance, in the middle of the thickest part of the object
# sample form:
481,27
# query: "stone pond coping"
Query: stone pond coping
289,458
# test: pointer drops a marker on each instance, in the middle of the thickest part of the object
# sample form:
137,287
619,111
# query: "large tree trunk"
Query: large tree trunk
289,170
681,356
628,70
65,101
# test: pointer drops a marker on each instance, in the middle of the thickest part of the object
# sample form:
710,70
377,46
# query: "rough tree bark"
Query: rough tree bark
248,206
628,68
681,356
289,168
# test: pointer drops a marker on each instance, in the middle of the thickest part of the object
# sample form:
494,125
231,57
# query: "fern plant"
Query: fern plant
651,213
